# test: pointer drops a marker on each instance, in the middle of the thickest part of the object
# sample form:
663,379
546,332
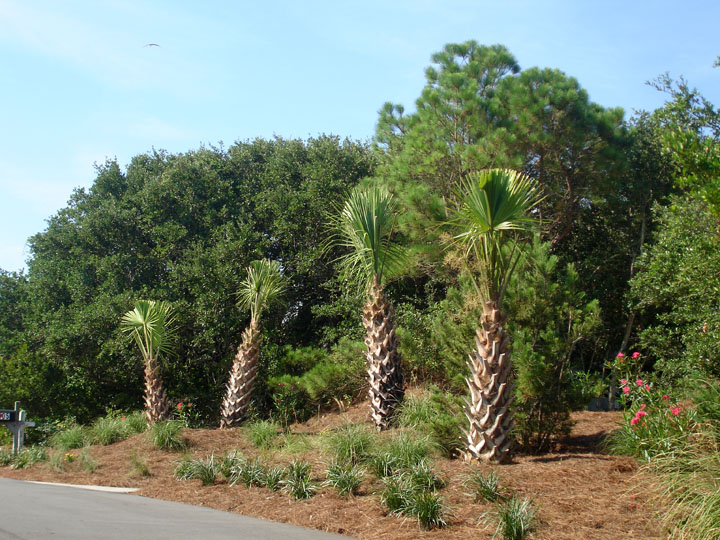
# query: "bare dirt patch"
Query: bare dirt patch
581,493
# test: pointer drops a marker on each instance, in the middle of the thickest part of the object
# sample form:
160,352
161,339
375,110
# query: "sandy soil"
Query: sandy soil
581,493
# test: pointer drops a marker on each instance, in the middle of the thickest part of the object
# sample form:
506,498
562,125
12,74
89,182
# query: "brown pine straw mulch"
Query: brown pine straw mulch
581,493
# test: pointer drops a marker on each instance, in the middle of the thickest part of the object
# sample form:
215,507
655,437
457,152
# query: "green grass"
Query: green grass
264,433
437,414
428,508
167,435
135,423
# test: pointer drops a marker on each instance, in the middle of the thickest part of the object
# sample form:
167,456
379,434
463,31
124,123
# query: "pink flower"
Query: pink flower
666,397
179,406
623,382
639,382
626,389
642,406
640,414
635,355
647,387
675,411
634,421
122,418
620,355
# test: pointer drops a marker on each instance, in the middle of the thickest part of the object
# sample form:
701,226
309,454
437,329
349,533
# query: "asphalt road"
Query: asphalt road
37,512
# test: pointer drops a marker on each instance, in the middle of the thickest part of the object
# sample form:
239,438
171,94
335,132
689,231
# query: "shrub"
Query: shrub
166,435
653,423
6,457
290,401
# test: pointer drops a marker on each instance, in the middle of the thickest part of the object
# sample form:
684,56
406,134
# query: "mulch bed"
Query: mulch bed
581,493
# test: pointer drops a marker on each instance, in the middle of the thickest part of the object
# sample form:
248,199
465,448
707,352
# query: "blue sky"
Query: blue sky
78,85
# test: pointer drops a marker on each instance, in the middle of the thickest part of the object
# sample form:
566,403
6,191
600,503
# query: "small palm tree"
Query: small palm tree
264,286
363,227
152,326
493,210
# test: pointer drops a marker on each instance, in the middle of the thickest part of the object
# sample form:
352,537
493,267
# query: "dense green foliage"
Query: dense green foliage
627,256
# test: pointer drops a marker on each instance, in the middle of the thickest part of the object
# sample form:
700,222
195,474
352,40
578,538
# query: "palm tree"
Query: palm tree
493,210
363,227
152,326
264,286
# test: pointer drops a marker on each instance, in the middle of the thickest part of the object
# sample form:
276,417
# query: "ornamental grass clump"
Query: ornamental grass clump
403,495
484,486
516,517
297,483
351,443
74,436
346,478
167,435
263,433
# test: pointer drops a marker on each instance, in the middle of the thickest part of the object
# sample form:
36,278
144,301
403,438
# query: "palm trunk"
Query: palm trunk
157,407
242,378
491,390
383,360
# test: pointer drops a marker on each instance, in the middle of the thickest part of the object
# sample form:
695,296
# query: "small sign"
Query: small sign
8,415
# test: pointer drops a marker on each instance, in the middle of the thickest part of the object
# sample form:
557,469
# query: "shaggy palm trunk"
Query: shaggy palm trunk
242,378
491,390
157,407
384,367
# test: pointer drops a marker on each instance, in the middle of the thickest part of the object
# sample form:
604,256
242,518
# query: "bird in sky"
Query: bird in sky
151,45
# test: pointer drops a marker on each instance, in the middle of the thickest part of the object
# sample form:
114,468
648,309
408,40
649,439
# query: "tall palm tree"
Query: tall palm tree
363,227
152,326
493,210
263,286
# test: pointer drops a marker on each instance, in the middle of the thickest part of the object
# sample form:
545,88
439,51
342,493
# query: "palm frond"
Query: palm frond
494,206
152,325
263,286
363,227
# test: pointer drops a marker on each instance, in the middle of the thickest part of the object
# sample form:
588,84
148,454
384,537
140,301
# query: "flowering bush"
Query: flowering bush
652,422
186,413
289,400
